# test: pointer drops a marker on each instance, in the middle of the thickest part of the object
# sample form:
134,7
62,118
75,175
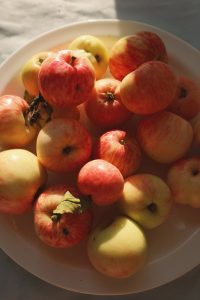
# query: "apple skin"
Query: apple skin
66,78
30,70
64,232
148,89
196,128
14,130
119,249
120,149
129,52
146,198
184,181
104,107
95,51
100,180
165,137
186,102
63,145
21,177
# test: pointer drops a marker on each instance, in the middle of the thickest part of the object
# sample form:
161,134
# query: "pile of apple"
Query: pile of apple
86,84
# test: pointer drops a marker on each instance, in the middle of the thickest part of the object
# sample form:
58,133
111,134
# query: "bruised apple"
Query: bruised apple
101,180
95,50
148,89
15,130
104,107
20,178
66,78
117,249
165,137
129,52
63,145
61,218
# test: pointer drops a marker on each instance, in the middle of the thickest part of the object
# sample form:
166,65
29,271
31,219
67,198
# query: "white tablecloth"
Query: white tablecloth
22,20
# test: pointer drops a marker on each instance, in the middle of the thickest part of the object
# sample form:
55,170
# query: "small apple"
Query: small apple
118,249
129,52
61,218
186,102
95,50
63,145
104,107
30,70
15,130
148,89
120,149
101,180
20,178
184,181
66,78
165,137
146,199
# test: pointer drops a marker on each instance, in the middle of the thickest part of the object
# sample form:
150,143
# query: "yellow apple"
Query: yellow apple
95,50
30,70
146,199
119,249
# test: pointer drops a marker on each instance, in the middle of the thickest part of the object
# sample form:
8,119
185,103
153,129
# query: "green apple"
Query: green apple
118,249
146,199
30,70
95,50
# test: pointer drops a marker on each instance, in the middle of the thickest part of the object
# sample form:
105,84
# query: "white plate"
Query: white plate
174,247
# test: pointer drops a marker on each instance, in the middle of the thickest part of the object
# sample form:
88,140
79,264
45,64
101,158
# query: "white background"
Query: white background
22,20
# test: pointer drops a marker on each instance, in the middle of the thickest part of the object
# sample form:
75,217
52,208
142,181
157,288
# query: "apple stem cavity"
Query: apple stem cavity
73,58
67,150
122,142
98,58
195,172
183,92
110,97
152,207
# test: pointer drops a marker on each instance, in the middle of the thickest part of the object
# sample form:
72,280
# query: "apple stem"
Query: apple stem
73,58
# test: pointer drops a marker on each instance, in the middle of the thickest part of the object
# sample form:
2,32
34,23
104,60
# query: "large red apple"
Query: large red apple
61,218
66,78
63,145
129,52
101,180
120,149
104,107
20,178
165,137
15,130
148,89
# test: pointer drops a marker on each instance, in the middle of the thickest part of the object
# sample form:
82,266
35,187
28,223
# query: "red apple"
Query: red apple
120,149
129,52
15,130
66,78
104,107
63,145
186,102
184,181
101,180
21,177
62,219
165,137
148,89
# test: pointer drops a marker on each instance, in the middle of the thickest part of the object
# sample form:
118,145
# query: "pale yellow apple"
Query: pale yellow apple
146,199
119,249
95,50
30,70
